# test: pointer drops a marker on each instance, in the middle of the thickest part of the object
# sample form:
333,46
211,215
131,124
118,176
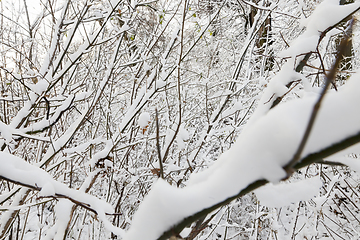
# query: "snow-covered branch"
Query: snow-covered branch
100,99
20,172
264,151
260,155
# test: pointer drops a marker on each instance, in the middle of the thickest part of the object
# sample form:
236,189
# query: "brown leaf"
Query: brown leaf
156,171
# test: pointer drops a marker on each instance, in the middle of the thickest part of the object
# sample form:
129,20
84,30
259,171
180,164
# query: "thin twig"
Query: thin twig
56,195
158,144
323,66
178,81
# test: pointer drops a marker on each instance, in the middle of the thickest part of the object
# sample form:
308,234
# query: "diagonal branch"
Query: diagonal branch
328,80
295,163
307,56
305,161
56,195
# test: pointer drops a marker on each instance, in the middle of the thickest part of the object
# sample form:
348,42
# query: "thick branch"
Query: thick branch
56,195
329,79
307,160
295,163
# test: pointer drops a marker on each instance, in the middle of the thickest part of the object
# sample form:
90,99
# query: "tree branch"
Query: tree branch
305,161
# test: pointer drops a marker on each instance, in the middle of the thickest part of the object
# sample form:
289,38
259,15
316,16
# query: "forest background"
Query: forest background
158,119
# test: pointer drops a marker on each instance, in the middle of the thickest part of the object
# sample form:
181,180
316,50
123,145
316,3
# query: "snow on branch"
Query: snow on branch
259,155
20,172
300,50
263,152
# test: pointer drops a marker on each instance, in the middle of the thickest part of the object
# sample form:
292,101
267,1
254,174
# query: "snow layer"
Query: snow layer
306,42
259,153
283,194
22,172
144,119
354,164
318,22
182,136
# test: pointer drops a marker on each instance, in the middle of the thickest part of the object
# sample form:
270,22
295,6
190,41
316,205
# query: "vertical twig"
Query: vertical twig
178,81
158,144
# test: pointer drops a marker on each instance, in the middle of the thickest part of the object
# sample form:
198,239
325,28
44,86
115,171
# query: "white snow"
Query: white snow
276,87
160,83
318,22
183,135
306,42
12,207
354,164
47,122
23,172
101,154
133,3
144,119
47,190
283,194
40,86
6,132
185,232
260,152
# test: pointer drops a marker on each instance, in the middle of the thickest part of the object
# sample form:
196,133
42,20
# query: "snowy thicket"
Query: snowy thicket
184,119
